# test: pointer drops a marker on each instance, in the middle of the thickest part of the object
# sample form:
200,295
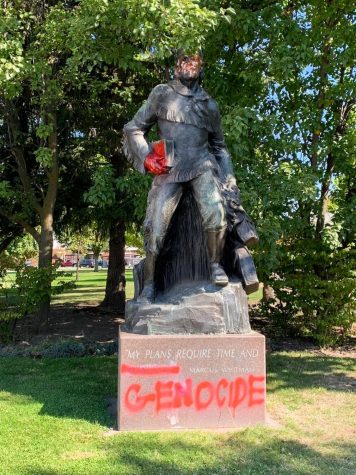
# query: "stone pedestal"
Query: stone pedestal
170,382
191,307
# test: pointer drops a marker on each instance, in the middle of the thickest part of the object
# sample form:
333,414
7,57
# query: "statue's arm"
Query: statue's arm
219,149
136,147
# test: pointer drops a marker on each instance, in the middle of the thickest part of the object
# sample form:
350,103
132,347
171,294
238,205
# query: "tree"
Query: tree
120,202
72,73
17,252
287,94
148,31
98,243
54,52
30,91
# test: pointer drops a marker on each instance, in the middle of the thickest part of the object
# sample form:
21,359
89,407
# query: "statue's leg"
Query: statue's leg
162,202
215,241
207,194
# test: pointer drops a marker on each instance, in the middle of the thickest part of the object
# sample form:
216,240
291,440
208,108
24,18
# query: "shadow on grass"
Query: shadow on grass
314,371
70,387
252,452
82,291
79,388
96,278
237,455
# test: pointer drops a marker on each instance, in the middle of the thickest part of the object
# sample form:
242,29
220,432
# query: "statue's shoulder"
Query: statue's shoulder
213,108
161,90
212,105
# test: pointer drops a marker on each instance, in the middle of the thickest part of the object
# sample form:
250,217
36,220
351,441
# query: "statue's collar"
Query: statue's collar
183,90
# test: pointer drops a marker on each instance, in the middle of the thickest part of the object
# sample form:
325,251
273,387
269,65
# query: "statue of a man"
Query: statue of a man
192,152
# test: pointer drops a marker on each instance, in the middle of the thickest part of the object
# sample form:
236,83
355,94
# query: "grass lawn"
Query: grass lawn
54,421
91,287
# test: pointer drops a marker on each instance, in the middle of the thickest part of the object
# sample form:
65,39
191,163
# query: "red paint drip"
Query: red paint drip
149,370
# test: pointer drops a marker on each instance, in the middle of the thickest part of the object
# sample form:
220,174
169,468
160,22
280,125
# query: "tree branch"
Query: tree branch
15,219
53,171
18,153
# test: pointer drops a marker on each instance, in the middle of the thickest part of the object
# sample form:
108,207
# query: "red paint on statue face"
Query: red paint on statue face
189,67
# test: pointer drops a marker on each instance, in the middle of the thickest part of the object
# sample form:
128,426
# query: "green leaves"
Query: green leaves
102,193
43,131
5,189
44,156
282,74
11,52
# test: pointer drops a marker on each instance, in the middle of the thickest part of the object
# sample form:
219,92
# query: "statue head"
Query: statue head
188,67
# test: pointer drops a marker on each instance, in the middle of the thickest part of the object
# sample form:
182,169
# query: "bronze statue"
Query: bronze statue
191,152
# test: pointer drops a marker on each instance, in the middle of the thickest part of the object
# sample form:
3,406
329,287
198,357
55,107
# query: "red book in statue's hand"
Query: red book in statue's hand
160,159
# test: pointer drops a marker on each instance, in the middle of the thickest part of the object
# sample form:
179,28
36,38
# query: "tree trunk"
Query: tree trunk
43,208
116,282
45,262
46,216
77,267
96,259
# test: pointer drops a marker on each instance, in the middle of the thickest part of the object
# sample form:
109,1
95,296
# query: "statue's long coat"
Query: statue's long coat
191,120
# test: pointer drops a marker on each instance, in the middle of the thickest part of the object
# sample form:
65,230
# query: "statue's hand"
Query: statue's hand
231,192
230,183
155,165
156,161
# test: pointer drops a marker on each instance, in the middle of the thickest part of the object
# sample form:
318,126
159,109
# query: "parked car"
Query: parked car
86,263
67,263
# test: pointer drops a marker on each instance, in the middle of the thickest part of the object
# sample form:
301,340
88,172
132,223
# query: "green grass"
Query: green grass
256,296
90,287
54,421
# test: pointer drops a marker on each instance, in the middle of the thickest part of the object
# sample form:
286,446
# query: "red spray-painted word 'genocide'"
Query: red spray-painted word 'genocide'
172,394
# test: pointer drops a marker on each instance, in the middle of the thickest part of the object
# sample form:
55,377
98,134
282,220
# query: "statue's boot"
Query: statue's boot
148,292
216,242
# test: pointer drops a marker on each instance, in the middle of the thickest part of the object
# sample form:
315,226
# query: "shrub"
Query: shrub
314,295
31,286
64,348
9,317
26,294
60,349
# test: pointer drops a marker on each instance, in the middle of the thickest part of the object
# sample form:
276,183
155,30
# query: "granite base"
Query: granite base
171,382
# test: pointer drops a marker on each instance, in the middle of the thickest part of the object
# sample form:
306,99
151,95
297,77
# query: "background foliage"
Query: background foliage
73,72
